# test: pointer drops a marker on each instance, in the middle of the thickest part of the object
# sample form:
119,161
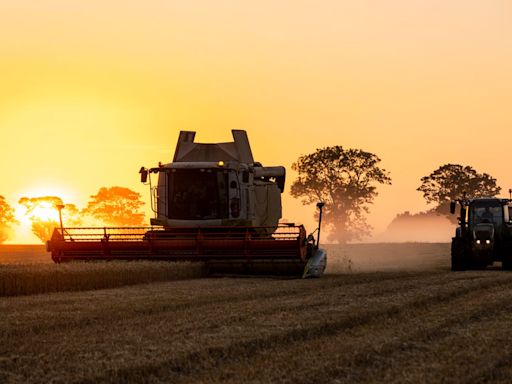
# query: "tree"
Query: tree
6,220
116,206
345,180
453,181
44,214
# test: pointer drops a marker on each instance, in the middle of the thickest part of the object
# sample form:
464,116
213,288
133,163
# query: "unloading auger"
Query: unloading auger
213,203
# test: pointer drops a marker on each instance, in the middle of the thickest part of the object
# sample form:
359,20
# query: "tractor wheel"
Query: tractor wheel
459,262
506,264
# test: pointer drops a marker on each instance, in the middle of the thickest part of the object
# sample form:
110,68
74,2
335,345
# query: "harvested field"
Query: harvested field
363,322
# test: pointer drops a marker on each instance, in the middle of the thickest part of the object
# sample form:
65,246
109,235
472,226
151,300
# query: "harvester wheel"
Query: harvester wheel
459,262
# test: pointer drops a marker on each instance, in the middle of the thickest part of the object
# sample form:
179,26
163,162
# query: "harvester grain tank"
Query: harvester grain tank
213,203
484,234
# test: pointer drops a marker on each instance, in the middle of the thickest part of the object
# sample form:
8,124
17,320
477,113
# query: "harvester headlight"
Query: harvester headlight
478,241
220,163
487,241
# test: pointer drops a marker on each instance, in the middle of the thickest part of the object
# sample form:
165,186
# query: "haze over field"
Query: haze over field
92,90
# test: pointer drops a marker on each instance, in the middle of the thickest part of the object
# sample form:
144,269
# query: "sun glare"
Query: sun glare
42,211
45,212
20,213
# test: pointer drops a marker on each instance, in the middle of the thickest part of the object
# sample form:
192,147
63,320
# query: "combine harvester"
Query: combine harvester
212,204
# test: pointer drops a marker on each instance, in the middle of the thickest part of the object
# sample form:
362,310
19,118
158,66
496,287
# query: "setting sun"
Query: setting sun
45,212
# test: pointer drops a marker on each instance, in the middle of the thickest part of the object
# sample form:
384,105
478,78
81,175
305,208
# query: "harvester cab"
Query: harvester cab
484,234
213,203
215,185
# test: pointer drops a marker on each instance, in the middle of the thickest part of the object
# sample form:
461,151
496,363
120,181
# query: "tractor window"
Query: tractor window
487,214
197,194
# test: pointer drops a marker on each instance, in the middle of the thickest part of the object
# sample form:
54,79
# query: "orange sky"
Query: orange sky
92,90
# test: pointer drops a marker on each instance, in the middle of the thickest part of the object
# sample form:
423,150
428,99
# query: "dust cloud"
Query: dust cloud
423,227
418,241
374,257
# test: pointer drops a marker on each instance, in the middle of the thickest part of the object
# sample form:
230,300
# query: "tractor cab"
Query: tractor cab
484,234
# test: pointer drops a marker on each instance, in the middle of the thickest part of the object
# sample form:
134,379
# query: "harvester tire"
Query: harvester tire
459,262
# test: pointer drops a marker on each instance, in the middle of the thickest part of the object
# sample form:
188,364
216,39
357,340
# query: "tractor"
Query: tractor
484,234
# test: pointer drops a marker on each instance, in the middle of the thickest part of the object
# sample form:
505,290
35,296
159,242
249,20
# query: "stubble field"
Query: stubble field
383,313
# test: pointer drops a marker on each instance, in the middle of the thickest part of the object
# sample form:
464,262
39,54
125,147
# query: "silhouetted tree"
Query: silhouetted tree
71,216
345,180
43,213
6,220
451,181
116,206
43,229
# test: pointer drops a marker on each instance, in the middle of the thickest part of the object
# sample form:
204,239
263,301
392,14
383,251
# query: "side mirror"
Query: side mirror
143,175
452,207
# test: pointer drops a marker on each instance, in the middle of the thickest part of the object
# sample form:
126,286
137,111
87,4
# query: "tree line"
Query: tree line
114,206
345,179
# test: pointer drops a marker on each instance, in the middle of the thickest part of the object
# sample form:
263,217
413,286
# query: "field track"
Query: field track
422,324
